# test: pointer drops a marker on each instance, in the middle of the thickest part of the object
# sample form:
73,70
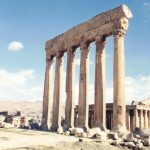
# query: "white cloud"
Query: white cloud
137,89
18,86
15,46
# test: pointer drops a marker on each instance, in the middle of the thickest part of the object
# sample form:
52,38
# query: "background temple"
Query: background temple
137,115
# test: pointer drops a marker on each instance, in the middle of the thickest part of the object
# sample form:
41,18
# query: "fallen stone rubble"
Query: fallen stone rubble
136,139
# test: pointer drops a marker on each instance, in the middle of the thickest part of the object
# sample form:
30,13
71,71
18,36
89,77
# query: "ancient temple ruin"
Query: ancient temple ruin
110,23
137,115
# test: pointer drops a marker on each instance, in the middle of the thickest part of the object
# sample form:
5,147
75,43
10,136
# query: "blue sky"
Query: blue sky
33,22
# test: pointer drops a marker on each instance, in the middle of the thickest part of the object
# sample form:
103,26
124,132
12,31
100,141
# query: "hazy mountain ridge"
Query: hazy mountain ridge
23,106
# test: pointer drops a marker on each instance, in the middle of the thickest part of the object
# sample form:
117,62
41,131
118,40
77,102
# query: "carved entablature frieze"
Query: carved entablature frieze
112,22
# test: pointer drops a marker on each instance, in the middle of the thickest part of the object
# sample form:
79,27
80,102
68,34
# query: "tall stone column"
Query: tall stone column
100,105
145,119
83,106
128,119
119,107
148,119
141,119
57,99
70,88
136,118
47,96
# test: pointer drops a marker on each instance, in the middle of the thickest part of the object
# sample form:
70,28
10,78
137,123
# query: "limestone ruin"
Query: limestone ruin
110,23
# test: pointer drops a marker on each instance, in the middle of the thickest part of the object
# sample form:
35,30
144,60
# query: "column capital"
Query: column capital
84,45
71,50
100,39
49,58
120,27
59,55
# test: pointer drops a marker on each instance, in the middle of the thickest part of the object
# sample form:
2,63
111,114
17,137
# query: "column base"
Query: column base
66,127
85,128
55,128
121,131
44,127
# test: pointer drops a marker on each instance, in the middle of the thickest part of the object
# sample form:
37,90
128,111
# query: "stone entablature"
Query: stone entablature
102,24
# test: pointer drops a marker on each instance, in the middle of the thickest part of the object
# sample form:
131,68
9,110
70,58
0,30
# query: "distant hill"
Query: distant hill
24,106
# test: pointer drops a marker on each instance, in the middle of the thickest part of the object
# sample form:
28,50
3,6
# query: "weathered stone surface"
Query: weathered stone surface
119,108
60,130
2,118
137,131
72,131
79,132
113,22
139,146
130,137
67,133
100,136
47,96
112,135
83,104
57,101
101,24
7,125
145,139
70,94
100,105
93,131
130,145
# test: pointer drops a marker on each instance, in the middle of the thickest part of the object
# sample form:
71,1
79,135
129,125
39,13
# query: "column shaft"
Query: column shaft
141,119
57,100
83,106
70,89
128,119
119,108
145,119
100,105
148,119
47,96
136,118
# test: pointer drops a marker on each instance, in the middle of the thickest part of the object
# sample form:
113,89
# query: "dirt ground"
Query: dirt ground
20,139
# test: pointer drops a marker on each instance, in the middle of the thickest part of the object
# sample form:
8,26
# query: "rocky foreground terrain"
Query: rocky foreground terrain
22,139
19,139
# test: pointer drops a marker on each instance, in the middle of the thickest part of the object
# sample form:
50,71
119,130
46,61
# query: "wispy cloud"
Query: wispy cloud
146,4
15,46
17,85
137,88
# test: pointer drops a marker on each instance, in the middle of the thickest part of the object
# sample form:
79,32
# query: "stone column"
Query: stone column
100,105
119,107
128,119
47,97
136,118
145,119
148,119
57,99
141,119
83,106
70,89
